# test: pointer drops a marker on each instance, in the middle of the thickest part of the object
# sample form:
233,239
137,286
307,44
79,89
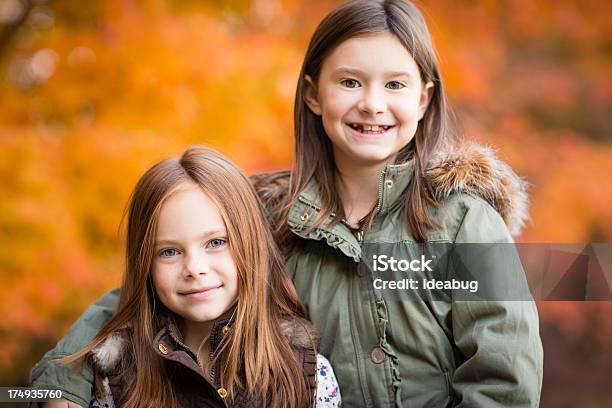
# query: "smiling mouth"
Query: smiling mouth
200,291
370,129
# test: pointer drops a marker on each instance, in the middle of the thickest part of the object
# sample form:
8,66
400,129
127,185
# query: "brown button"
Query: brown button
305,217
361,269
225,330
222,392
163,349
378,355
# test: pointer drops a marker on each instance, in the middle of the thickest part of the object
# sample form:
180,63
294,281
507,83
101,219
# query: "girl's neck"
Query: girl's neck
194,334
357,186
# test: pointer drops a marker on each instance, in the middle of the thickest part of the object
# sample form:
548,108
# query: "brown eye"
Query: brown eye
350,83
395,85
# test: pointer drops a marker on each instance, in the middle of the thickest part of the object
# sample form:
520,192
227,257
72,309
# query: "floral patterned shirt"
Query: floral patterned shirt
328,392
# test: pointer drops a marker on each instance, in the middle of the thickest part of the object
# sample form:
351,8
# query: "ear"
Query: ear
426,94
310,95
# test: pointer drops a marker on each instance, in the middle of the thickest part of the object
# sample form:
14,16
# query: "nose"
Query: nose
196,264
372,102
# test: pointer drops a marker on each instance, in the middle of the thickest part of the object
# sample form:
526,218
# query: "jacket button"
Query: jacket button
163,349
389,183
225,329
361,269
222,392
378,355
305,217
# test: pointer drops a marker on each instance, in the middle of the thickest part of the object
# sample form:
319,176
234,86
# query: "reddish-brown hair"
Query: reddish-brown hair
257,356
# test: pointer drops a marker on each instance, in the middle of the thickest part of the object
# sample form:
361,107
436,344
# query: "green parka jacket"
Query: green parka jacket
385,353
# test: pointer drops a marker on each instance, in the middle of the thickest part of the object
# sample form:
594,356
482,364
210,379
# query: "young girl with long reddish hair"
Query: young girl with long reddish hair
207,315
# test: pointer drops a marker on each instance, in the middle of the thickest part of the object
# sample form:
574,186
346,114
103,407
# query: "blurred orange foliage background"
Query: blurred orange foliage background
94,93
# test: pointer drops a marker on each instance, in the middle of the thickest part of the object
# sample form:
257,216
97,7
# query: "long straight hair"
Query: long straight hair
257,356
362,18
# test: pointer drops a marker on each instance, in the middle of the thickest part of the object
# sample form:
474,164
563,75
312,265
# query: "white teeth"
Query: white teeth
369,128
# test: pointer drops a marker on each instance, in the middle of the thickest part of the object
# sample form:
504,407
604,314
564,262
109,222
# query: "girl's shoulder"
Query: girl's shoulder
271,187
470,177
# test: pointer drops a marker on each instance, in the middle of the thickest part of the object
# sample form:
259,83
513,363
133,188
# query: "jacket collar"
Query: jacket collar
169,342
169,326
393,181
108,354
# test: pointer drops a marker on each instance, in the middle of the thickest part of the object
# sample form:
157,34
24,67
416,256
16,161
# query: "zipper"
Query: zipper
211,354
359,235
303,200
361,232
380,191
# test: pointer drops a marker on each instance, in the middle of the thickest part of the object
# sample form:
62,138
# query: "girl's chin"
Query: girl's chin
199,318
371,156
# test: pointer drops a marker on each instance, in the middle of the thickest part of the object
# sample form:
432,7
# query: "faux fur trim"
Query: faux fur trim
107,355
300,333
468,168
474,169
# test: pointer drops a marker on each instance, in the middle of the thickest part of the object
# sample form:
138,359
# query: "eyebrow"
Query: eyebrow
346,70
206,234
355,71
399,73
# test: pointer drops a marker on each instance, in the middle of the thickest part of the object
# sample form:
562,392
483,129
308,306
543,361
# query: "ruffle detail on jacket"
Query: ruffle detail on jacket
333,240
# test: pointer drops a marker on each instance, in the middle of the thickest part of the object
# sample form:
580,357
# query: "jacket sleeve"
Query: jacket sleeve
76,383
498,340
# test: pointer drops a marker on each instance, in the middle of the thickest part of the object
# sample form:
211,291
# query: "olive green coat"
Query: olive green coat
390,353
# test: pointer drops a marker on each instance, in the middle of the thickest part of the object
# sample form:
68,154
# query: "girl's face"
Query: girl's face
370,97
194,273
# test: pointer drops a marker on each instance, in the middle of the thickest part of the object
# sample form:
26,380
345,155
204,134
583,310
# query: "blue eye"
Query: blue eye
168,252
350,83
217,243
395,85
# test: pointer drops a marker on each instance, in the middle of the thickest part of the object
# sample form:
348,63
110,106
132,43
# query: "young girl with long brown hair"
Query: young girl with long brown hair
377,162
207,315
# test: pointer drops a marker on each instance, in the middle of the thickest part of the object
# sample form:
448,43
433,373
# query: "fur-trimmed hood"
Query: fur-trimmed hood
469,168
475,169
